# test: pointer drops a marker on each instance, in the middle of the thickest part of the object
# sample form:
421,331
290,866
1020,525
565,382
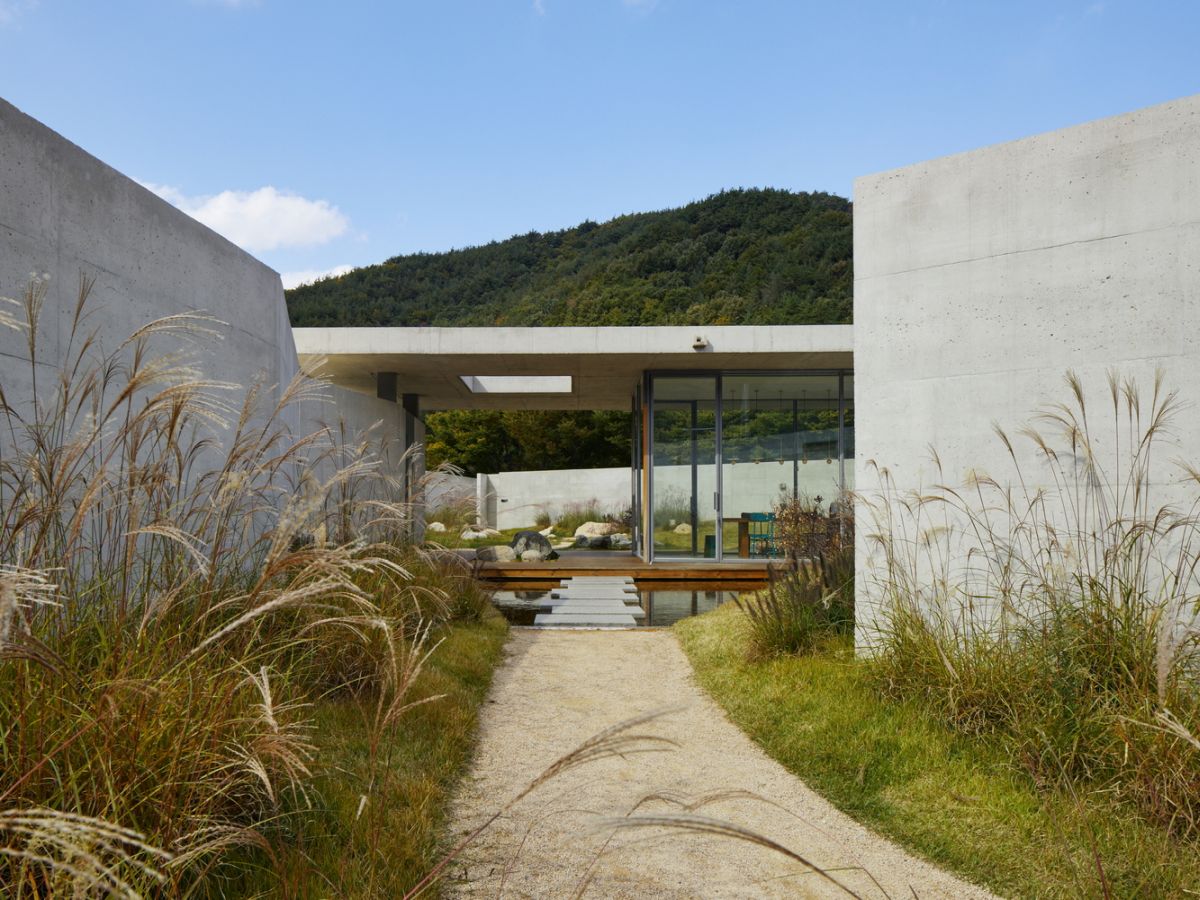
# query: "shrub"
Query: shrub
1069,634
804,605
805,531
166,620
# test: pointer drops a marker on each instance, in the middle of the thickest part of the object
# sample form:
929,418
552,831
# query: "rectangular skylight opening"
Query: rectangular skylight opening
517,384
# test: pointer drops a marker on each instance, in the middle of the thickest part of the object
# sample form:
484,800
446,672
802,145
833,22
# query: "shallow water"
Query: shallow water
663,604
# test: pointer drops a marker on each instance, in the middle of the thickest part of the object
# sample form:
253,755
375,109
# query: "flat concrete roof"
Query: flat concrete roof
605,364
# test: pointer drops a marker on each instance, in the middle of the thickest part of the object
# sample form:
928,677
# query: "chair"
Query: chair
764,541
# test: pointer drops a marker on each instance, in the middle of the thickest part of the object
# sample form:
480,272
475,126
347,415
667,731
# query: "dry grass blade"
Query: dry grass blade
614,741
704,825
81,854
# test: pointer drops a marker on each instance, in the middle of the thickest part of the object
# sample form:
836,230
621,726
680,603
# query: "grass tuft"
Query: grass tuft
952,798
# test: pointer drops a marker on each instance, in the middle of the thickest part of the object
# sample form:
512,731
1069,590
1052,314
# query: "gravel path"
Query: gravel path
557,688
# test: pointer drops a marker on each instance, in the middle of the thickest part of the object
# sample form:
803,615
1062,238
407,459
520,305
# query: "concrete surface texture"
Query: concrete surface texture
514,499
556,689
67,215
981,278
605,363
593,602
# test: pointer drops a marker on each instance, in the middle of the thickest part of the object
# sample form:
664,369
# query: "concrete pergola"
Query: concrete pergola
500,368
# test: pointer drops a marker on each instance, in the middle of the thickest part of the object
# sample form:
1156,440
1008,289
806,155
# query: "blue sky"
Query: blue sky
327,134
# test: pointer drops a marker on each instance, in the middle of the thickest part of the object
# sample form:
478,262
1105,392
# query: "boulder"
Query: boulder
537,554
595,542
437,527
597,529
472,534
495,554
683,528
564,545
621,541
547,532
530,540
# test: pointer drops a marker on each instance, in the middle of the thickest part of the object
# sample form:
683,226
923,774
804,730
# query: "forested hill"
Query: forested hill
741,257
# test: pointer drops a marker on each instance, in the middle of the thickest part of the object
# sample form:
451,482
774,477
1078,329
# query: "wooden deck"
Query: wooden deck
585,564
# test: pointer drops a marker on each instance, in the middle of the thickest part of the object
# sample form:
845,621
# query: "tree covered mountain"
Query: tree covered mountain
740,257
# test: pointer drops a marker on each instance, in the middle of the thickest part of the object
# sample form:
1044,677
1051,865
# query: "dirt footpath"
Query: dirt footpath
558,688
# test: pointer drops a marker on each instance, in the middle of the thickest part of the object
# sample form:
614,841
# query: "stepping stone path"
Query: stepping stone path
593,602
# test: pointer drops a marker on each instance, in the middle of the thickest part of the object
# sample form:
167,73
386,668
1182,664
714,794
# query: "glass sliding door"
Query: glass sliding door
684,473
848,432
779,439
636,475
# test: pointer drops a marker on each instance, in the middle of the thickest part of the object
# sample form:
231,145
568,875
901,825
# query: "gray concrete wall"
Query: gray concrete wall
514,499
981,278
66,214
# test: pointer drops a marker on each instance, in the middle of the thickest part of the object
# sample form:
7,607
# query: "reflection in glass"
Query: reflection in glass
729,448
684,461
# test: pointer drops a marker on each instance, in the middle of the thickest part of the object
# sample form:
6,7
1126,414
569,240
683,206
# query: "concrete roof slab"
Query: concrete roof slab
605,363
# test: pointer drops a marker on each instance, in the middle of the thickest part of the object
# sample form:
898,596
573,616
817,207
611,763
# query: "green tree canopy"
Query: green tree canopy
740,257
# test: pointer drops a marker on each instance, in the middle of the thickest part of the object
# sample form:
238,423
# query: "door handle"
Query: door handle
716,501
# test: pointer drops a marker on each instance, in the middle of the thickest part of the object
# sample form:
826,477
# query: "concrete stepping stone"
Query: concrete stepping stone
592,592
596,609
598,581
558,618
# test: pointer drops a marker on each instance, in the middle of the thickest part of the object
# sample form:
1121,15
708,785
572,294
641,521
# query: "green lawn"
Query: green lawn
386,847
953,800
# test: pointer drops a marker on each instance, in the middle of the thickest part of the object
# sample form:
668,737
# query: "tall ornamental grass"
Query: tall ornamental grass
1070,632
810,600
181,576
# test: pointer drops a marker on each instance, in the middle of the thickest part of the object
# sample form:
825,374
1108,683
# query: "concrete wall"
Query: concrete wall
513,499
980,279
455,493
65,214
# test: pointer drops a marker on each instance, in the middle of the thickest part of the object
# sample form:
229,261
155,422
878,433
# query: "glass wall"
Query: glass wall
728,448
848,432
638,475
683,481
779,438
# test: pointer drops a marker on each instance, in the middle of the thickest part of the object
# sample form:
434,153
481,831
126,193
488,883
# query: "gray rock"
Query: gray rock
495,554
596,529
621,541
530,540
470,534
683,528
435,526
596,542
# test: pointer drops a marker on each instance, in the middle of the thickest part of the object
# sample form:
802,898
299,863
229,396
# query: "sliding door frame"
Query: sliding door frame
718,376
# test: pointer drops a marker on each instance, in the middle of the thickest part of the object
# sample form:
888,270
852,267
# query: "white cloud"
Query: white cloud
11,10
308,276
265,219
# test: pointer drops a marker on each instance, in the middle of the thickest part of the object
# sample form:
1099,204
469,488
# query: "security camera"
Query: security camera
699,343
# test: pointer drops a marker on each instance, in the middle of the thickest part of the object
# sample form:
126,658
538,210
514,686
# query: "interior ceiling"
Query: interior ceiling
605,364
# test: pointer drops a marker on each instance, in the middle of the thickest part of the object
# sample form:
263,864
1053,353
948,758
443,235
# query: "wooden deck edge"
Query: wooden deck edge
538,572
